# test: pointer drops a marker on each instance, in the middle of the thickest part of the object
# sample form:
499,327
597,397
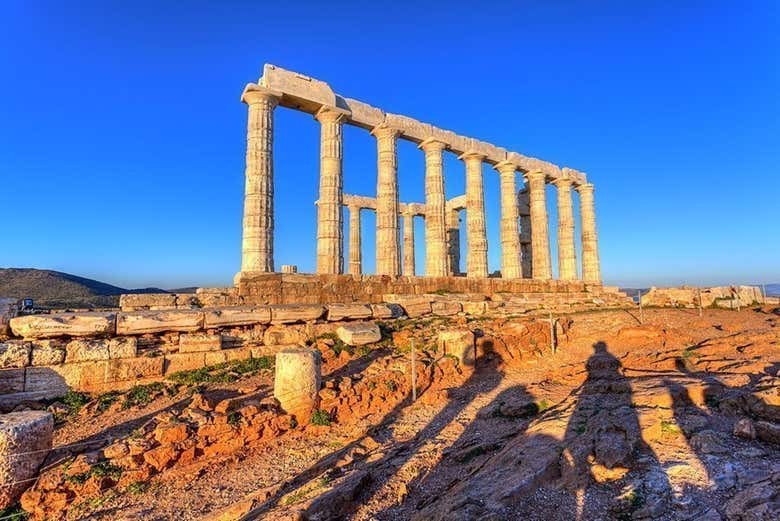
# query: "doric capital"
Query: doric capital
585,188
469,154
384,130
432,145
331,114
563,182
505,167
535,175
254,93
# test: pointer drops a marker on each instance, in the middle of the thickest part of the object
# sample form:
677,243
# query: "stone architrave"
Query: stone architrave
567,256
388,260
355,242
510,238
435,213
526,255
476,236
330,240
258,232
591,270
409,268
540,241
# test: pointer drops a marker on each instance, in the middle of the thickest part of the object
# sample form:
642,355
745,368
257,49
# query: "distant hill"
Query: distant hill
54,289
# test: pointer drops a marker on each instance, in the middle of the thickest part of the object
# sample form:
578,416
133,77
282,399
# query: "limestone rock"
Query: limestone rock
141,322
236,316
291,313
460,344
359,334
297,380
123,347
134,301
386,311
83,350
47,352
446,308
338,312
285,335
14,354
28,432
196,342
64,324
757,502
11,380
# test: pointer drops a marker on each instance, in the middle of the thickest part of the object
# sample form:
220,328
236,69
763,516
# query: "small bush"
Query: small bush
234,418
320,417
222,373
13,513
75,401
101,470
137,488
105,401
142,394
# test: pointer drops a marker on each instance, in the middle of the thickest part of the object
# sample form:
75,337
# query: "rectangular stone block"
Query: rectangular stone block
291,313
446,308
386,311
338,312
134,368
64,324
134,301
183,362
236,316
14,353
11,381
123,347
47,352
86,349
196,342
141,322
56,380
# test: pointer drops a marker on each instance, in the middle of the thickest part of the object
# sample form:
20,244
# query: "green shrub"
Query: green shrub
103,469
225,372
75,401
142,394
13,513
320,417
106,400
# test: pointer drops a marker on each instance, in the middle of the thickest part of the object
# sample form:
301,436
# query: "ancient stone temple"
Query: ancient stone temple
525,231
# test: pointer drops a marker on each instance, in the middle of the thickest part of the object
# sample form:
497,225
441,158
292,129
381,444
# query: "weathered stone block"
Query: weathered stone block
446,308
134,368
475,308
386,311
297,381
359,334
141,322
135,301
338,312
183,362
14,353
460,344
123,347
47,352
196,342
291,313
86,349
11,380
29,433
7,312
285,335
64,324
236,316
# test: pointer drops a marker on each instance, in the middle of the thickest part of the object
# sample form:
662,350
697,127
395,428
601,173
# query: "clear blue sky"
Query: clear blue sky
122,135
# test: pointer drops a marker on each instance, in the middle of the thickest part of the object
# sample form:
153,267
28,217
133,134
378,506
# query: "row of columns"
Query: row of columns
523,253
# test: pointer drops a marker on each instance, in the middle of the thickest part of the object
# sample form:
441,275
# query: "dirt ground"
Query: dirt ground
675,418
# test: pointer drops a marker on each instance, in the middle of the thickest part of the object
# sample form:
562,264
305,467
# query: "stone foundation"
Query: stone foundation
728,297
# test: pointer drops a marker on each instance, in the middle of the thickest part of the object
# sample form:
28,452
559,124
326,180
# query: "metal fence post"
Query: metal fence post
552,334
414,376
641,314
700,304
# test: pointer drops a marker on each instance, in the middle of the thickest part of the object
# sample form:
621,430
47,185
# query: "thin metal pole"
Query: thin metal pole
739,304
414,376
552,334
641,314
763,291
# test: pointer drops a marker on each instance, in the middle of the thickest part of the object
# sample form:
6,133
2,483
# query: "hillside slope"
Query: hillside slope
55,289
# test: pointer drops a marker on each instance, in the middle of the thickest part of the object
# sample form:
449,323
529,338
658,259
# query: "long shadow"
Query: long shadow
362,466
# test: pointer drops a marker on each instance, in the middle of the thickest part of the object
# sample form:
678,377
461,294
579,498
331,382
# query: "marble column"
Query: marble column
388,261
257,246
435,213
330,224
453,242
524,210
476,236
409,270
510,238
540,239
591,269
355,242
567,256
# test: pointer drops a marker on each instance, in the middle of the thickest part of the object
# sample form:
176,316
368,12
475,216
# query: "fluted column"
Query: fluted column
476,237
524,210
591,269
567,256
257,246
388,261
355,242
409,244
510,239
330,223
540,238
435,213
453,242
